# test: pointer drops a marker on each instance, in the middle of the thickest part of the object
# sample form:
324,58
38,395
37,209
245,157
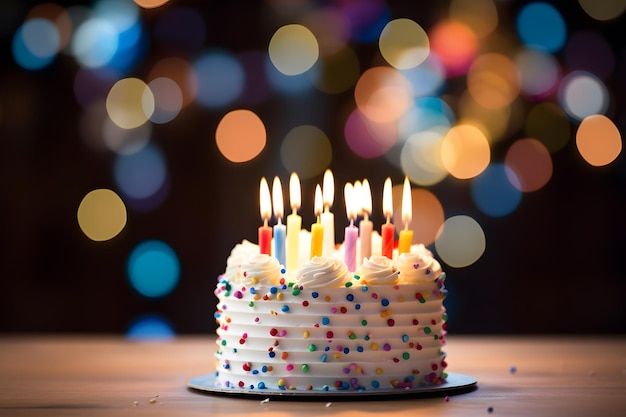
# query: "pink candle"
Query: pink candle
265,232
351,232
388,229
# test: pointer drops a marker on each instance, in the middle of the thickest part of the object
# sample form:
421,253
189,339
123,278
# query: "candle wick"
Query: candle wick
388,219
351,221
366,216
265,222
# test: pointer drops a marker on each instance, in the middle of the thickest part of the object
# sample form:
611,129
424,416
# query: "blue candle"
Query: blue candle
279,229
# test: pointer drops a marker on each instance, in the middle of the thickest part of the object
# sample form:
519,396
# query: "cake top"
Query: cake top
247,266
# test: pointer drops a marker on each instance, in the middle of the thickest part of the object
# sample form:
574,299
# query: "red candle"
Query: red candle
388,229
265,232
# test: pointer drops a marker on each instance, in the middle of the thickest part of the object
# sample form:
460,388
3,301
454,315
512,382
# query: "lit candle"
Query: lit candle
279,228
388,229
317,229
265,232
406,235
294,223
365,225
328,218
352,232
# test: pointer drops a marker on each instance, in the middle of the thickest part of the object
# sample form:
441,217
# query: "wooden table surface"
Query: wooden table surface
111,376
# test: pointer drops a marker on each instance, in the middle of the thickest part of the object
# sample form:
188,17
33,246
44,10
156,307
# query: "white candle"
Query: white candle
365,225
294,224
279,228
327,217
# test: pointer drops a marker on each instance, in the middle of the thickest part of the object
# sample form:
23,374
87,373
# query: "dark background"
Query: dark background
554,265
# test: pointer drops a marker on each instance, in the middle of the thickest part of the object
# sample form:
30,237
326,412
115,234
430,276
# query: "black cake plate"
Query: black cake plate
455,384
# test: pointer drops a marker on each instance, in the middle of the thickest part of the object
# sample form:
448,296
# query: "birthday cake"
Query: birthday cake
324,328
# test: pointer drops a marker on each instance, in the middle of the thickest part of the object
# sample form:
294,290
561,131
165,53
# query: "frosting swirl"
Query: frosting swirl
321,272
378,270
238,256
418,265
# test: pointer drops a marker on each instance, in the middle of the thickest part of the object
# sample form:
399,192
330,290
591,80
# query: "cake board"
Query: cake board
455,384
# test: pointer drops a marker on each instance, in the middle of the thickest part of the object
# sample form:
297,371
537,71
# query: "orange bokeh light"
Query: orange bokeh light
240,136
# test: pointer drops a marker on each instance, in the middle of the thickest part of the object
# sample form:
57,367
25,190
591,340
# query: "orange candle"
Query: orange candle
265,232
406,235
388,229
317,229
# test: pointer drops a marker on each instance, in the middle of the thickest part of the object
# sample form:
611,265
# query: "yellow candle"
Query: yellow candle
317,229
327,217
294,224
406,235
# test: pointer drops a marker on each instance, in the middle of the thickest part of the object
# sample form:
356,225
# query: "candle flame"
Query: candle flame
318,201
358,198
294,192
366,197
387,199
328,191
407,203
265,200
349,197
277,198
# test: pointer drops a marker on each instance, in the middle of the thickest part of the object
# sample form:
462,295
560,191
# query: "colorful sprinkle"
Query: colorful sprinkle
315,294
305,368
325,321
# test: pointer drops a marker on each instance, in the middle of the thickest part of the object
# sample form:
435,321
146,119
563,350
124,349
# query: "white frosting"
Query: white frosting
320,272
238,256
418,265
378,270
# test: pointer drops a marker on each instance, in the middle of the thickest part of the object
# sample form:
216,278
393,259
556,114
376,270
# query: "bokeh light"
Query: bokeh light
495,191
598,140
293,49
383,94
306,150
420,158
494,122
428,78
465,151
125,141
461,241
130,103
479,15
220,78
404,44
548,123
153,269
541,26
589,51
337,72
539,73
603,10
369,139
150,328
427,214
35,44
141,176
181,72
583,94
493,81
240,135
101,215
530,163
56,14
95,43
168,99
455,44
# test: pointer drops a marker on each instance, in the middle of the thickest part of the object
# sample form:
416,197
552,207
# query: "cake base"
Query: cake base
455,384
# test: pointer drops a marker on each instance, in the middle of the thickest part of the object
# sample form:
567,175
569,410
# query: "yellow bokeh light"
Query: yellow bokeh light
240,135
383,95
338,72
404,44
598,140
493,80
293,49
480,15
465,151
427,215
496,123
460,242
548,123
130,103
101,215
603,9
307,150
420,158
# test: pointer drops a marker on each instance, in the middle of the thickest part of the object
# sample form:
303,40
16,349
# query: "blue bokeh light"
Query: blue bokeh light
493,193
150,328
220,78
541,26
35,44
141,174
153,269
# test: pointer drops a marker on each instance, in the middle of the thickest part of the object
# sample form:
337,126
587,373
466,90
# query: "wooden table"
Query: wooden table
110,376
